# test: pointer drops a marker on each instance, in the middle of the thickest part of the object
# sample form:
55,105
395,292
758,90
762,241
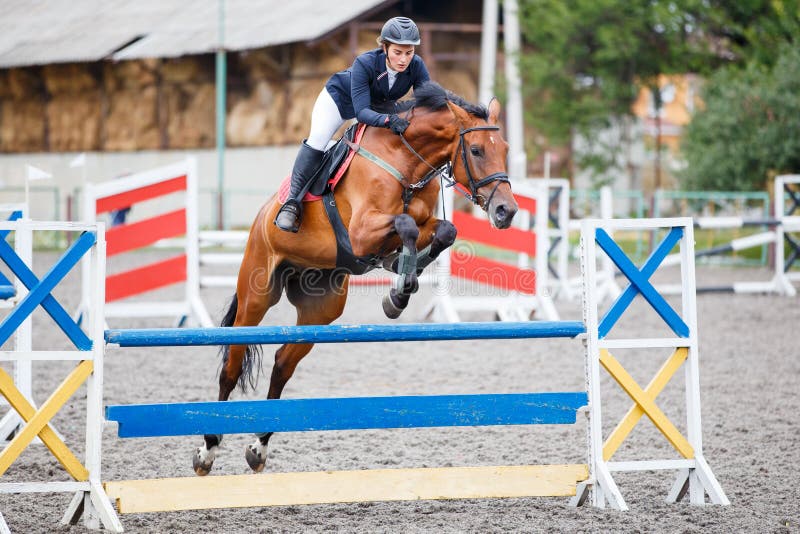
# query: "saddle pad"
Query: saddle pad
283,191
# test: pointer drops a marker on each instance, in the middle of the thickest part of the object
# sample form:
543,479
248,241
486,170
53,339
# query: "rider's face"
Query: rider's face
398,57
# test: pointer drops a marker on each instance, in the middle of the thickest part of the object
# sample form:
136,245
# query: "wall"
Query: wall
164,104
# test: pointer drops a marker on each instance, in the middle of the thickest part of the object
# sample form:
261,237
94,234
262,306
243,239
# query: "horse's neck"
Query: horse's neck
432,151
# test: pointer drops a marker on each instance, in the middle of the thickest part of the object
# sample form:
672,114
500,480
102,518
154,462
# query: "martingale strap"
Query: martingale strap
363,152
408,189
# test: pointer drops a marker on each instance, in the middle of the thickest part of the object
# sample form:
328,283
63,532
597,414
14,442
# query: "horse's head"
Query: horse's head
468,135
479,161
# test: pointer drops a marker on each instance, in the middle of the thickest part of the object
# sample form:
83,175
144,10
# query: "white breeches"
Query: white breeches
325,120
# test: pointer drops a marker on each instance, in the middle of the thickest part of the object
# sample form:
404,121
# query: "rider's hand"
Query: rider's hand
397,124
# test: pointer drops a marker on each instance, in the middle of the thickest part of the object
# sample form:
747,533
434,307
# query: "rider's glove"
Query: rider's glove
397,124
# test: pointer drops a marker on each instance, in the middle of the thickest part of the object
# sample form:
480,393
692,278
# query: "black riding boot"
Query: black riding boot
306,164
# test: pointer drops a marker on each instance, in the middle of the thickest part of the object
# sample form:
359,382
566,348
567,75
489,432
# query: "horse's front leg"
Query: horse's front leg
443,236
407,282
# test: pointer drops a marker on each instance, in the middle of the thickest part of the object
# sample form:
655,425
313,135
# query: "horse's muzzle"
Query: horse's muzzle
502,214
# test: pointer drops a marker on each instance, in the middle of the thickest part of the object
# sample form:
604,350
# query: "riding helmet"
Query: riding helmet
400,30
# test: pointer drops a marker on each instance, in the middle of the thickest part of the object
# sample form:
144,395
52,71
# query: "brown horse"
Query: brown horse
387,202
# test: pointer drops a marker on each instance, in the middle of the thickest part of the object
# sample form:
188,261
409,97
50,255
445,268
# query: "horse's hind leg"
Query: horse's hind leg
407,283
319,299
253,298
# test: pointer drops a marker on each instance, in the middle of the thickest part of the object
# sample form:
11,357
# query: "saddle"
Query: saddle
335,162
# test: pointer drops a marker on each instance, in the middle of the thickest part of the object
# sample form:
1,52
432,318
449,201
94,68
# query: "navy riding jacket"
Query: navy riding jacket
362,91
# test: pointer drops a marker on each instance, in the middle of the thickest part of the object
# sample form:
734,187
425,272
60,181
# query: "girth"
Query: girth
345,259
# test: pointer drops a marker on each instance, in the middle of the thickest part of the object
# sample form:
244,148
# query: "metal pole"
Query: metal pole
514,119
221,69
547,165
488,51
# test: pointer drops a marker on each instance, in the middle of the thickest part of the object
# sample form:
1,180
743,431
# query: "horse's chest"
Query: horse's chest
420,211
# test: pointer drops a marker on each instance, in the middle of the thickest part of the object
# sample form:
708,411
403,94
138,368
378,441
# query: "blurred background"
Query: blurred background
646,96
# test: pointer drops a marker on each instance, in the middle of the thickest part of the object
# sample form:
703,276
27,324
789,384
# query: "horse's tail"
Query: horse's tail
251,366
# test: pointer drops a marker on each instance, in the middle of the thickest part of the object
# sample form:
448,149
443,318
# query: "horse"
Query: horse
386,202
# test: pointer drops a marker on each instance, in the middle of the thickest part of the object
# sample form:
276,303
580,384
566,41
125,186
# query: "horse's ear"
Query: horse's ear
494,110
461,115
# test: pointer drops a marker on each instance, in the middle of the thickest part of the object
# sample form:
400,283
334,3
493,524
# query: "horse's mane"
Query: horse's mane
433,96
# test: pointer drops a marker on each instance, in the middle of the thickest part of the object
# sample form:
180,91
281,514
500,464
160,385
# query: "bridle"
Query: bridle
444,172
473,195
499,177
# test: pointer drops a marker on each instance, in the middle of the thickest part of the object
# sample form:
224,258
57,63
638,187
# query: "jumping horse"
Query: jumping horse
386,203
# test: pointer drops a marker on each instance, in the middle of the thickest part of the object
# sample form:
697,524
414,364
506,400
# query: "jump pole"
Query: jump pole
347,413
785,230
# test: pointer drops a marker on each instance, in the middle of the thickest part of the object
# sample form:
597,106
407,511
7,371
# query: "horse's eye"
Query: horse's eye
476,151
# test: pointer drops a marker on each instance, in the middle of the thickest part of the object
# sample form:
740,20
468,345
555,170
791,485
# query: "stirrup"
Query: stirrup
288,218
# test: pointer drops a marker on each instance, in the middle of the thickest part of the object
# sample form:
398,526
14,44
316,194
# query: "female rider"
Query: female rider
367,91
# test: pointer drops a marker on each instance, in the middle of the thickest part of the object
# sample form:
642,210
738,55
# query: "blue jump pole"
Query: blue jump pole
276,335
299,415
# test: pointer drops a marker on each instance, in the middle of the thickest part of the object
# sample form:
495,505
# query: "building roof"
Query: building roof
60,31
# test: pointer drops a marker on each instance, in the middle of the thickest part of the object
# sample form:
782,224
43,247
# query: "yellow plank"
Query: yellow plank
46,412
647,404
25,410
656,385
284,489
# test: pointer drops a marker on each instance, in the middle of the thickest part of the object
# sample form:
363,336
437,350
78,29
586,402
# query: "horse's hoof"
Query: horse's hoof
254,458
391,310
202,461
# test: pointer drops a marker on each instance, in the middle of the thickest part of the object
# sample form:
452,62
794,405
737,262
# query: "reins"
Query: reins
410,188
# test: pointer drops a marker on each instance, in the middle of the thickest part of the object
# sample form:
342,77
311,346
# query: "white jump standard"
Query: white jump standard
11,292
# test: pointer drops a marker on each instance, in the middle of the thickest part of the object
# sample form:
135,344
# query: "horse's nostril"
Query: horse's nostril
503,215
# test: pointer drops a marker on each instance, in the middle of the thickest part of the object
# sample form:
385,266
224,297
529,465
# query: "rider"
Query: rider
367,91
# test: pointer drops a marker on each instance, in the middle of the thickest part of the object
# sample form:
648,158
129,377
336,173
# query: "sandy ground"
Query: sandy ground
750,379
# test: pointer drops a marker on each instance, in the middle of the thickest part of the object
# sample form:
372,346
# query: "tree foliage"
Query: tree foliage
749,129
749,31
589,58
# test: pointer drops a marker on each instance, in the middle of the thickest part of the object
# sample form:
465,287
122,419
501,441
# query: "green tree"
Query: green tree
588,59
749,128
751,30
